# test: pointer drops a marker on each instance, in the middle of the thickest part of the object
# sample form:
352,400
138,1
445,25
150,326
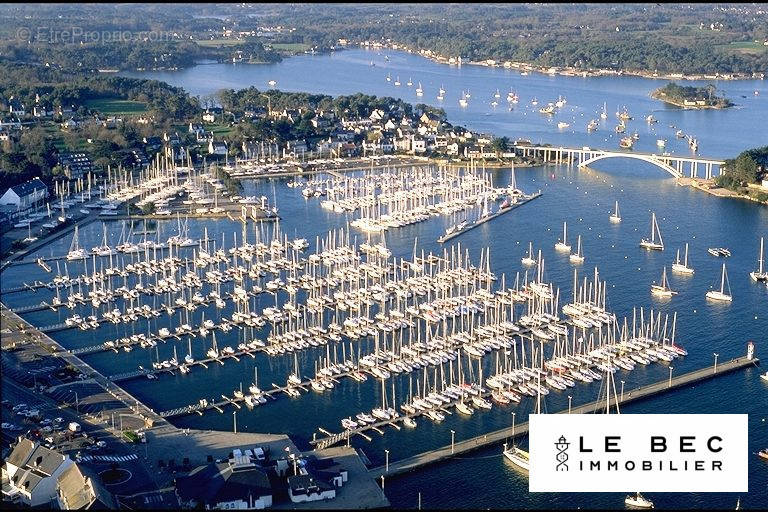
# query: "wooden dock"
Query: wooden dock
521,202
499,436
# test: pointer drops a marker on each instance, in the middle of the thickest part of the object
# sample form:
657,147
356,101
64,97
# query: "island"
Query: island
691,97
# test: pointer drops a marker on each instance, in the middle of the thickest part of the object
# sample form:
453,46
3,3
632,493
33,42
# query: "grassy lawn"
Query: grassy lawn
745,47
114,106
291,47
219,130
218,42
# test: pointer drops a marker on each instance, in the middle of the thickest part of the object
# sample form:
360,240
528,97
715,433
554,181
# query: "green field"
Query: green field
114,106
218,42
291,47
745,47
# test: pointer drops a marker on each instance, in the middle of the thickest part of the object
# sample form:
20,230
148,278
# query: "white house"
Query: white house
305,488
217,148
418,145
25,195
209,117
32,471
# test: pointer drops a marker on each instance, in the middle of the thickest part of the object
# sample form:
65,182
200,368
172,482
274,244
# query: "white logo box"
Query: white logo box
718,462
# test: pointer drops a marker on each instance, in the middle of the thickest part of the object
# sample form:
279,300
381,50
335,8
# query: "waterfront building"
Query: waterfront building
80,488
31,472
238,484
25,195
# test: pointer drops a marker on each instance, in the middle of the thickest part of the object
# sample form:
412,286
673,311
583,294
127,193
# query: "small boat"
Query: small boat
679,134
389,78
626,142
661,142
682,267
464,408
578,256
397,81
763,454
638,501
663,289
650,119
528,260
272,83
562,245
409,422
518,457
653,244
719,252
615,216
419,90
348,423
764,376
592,125
759,274
562,124
463,99
549,109
721,295
409,82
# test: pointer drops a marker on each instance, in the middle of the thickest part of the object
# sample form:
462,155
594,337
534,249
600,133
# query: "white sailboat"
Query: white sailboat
663,289
721,295
463,99
419,90
528,260
683,267
638,501
578,256
562,245
655,243
75,251
615,216
760,274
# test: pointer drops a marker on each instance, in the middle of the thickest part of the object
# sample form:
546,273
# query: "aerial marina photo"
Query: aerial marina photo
354,256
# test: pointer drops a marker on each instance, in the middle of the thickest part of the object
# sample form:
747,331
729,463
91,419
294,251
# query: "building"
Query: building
25,195
217,148
31,473
238,484
80,488
76,165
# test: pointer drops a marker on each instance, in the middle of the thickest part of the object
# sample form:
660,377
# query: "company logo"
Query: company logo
653,452
561,445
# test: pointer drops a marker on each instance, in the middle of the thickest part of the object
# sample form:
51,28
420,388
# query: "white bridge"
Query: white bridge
677,166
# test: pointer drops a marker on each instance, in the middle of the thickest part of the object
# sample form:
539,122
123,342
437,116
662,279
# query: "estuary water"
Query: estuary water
583,198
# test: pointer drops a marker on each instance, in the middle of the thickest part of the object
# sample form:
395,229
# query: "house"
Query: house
418,145
291,114
304,488
237,484
217,148
320,123
70,124
81,488
76,165
42,111
297,146
15,107
377,115
453,149
152,143
257,111
209,117
390,125
31,472
430,121
25,195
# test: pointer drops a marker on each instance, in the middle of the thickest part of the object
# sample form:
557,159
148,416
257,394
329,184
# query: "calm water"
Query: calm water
583,198
721,133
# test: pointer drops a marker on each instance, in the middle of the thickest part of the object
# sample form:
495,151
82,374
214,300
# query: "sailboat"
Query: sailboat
638,501
75,251
419,90
615,216
463,99
397,81
760,274
578,256
604,113
528,260
409,82
663,289
653,244
389,77
562,245
683,267
721,295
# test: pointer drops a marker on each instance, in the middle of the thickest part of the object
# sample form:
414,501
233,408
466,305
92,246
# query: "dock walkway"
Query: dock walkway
499,436
479,222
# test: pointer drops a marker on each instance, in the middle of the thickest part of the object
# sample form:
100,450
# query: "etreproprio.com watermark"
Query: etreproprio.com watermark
78,35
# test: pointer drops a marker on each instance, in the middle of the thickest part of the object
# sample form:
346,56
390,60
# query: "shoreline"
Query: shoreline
705,186
560,70
656,95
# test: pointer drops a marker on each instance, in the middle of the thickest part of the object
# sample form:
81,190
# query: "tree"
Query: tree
500,145
745,169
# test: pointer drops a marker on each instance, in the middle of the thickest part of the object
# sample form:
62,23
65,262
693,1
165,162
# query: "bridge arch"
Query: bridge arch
645,158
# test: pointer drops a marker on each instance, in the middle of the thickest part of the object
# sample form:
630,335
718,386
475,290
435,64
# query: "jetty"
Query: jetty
520,202
499,436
